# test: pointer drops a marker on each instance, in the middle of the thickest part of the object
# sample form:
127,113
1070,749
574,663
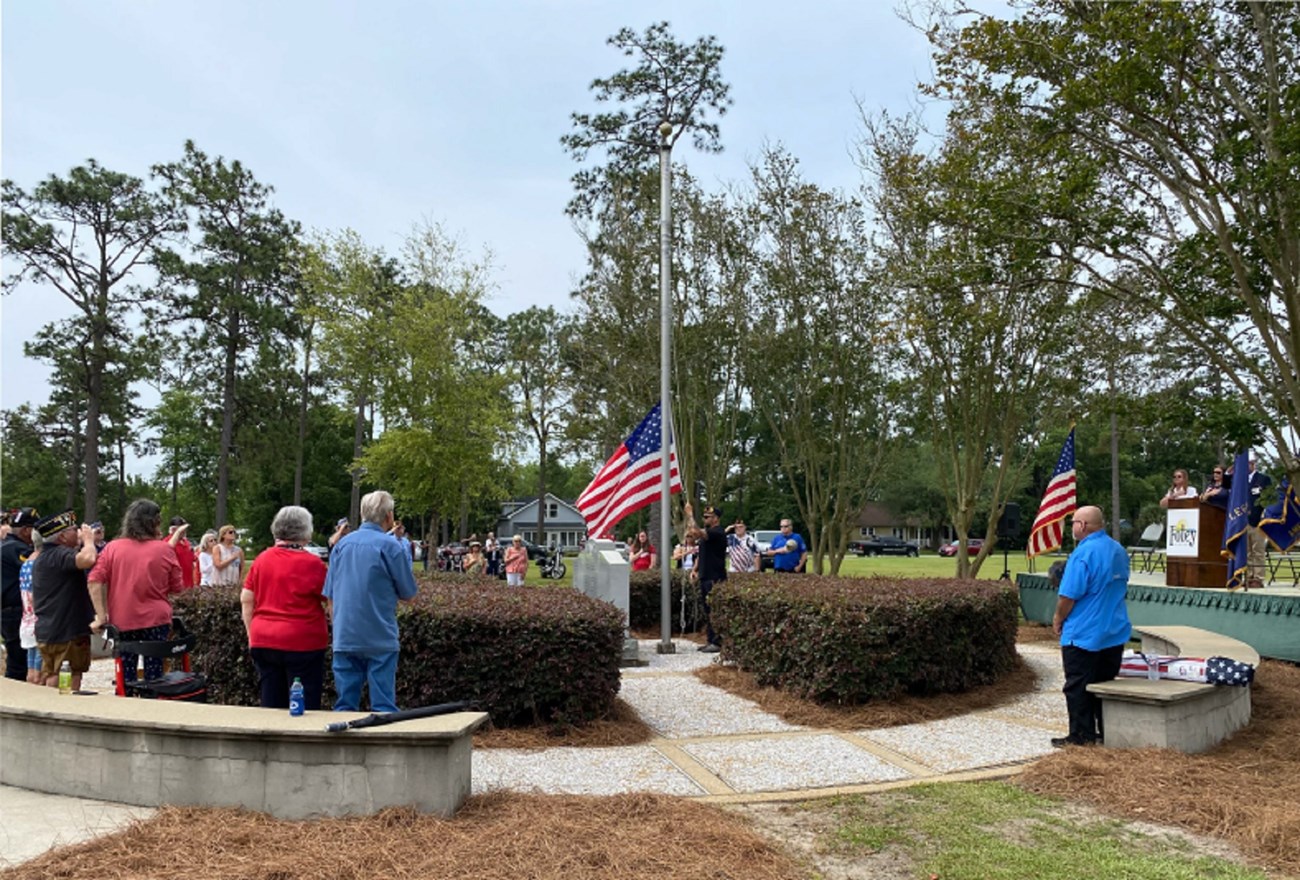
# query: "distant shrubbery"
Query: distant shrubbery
644,597
527,655
850,640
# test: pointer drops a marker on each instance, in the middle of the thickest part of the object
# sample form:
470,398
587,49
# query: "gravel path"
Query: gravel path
711,743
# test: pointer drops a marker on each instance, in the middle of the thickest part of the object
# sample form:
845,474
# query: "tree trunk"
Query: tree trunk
302,417
90,450
227,415
75,466
358,440
1114,463
541,492
121,474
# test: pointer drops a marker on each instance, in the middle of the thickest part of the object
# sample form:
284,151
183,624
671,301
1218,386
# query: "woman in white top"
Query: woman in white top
206,569
685,554
227,558
1180,489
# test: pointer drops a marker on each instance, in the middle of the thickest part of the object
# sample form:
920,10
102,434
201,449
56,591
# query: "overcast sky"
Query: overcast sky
375,115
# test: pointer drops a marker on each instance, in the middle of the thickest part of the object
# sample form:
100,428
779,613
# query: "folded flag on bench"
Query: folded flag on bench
1134,665
1215,670
1225,670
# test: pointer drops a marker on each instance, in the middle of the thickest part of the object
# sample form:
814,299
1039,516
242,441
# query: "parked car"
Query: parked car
535,551
321,553
764,538
883,545
973,546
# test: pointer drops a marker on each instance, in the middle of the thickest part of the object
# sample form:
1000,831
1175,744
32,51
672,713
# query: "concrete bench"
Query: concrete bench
150,753
1182,715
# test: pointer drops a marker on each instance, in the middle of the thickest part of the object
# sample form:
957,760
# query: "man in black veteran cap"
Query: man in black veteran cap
61,598
13,553
712,568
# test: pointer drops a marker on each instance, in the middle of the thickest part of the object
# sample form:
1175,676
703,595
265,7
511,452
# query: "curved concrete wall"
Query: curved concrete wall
151,753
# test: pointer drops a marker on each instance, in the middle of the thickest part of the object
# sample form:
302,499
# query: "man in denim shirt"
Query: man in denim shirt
1092,621
369,573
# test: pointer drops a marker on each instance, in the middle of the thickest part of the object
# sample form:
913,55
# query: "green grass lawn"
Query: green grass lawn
996,831
933,565
927,565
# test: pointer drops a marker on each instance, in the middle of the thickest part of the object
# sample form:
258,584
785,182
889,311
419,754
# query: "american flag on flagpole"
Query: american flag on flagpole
630,479
1059,501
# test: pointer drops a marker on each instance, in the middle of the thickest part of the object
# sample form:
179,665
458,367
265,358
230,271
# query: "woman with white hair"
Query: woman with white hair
207,570
284,613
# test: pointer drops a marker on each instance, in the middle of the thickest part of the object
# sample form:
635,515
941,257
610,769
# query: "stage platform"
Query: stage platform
1267,619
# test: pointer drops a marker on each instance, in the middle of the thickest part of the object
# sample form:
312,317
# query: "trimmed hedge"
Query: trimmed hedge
528,655
850,640
644,595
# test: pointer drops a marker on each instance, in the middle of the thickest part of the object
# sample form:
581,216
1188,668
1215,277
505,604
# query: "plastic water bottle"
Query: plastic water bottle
65,678
297,702
1153,667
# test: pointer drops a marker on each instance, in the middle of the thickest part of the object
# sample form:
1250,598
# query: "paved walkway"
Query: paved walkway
709,745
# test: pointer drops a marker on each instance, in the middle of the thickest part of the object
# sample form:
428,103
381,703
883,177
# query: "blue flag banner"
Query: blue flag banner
1235,539
1281,522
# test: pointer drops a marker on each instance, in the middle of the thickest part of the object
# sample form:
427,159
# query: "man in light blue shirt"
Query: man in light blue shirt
1092,621
369,573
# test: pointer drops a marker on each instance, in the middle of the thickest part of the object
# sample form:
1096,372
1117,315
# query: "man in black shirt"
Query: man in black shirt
13,553
711,567
61,598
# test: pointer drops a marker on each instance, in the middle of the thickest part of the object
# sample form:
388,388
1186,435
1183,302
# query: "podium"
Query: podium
1193,541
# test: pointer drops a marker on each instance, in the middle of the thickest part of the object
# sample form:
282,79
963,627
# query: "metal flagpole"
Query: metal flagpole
665,407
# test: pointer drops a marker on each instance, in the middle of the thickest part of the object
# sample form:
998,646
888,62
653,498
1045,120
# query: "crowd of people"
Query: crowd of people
63,582
1217,492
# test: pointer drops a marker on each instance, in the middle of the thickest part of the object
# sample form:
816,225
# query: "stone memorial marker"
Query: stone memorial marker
601,572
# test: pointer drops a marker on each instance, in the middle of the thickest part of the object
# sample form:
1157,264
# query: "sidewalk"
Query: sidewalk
709,745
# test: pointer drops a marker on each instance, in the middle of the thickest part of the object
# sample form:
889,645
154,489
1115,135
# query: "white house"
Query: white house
564,522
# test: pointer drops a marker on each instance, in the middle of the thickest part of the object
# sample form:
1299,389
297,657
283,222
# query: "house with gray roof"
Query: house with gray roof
563,522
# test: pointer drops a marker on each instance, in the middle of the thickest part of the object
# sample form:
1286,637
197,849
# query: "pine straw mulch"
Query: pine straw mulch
891,713
493,837
622,727
1246,791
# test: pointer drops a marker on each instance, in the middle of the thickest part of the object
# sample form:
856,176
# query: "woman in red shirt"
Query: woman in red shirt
132,582
642,553
284,613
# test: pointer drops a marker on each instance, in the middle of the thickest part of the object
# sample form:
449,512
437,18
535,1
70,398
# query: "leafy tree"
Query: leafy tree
442,389
1186,115
672,82
543,387
978,244
674,89
182,436
614,353
235,294
349,291
816,363
86,235
33,460
910,488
